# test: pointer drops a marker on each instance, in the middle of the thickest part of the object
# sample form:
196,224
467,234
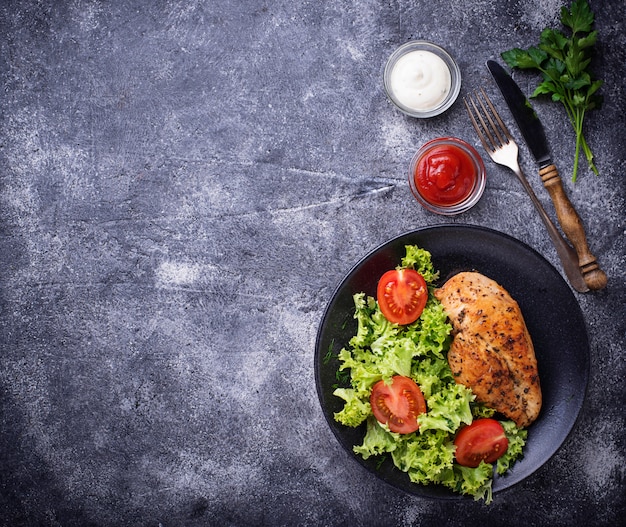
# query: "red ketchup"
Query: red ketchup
445,175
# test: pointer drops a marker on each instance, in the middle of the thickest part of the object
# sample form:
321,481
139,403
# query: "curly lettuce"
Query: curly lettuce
517,440
379,350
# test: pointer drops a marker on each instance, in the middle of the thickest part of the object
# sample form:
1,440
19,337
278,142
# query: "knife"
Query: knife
532,130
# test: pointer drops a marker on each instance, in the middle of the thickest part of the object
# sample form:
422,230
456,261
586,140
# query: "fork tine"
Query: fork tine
488,126
475,124
485,119
495,113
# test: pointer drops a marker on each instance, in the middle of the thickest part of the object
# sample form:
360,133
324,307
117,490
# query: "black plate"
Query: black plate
550,309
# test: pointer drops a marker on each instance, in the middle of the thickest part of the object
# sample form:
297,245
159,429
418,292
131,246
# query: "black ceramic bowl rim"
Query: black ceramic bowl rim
552,314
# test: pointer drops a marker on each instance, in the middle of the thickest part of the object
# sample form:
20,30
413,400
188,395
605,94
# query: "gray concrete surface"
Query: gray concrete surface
182,186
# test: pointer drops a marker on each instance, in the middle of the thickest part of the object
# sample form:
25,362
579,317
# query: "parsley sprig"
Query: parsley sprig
563,62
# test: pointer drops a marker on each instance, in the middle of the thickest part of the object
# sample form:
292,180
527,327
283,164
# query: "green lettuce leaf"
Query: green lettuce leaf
517,440
378,440
474,482
355,409
425,456
420,260
447,409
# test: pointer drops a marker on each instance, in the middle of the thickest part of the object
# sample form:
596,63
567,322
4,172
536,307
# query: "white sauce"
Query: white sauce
420,80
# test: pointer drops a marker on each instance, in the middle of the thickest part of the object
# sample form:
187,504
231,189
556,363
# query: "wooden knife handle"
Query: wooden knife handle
572,226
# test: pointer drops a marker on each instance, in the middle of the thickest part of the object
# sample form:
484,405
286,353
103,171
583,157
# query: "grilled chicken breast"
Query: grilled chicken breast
492,352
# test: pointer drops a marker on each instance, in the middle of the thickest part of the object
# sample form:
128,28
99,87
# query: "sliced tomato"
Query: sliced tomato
483,440
398,404
402,295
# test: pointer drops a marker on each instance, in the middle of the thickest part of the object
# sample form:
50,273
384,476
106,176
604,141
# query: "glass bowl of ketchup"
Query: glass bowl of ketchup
447,176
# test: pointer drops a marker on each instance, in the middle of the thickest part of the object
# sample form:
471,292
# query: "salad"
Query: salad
399,383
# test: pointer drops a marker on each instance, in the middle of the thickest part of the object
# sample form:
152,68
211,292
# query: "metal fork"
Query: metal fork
499,144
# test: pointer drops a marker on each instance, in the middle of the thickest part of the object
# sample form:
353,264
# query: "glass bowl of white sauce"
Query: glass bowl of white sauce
422,79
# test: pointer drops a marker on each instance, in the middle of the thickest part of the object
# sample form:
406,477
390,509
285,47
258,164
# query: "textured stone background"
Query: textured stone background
182,186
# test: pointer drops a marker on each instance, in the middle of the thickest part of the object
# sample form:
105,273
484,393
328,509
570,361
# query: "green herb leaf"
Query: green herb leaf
588,41
546,87
579,19
579,100
563,63
574,61
580,82
519,58
329,353
538,55
555,68
553,42
595,86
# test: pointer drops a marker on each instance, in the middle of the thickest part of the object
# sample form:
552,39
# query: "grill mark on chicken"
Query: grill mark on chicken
492,352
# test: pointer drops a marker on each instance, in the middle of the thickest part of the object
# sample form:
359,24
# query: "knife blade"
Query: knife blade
533,133
529,124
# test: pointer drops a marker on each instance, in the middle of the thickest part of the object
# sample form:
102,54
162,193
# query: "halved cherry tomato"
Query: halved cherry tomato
398,404
402,295
483,440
